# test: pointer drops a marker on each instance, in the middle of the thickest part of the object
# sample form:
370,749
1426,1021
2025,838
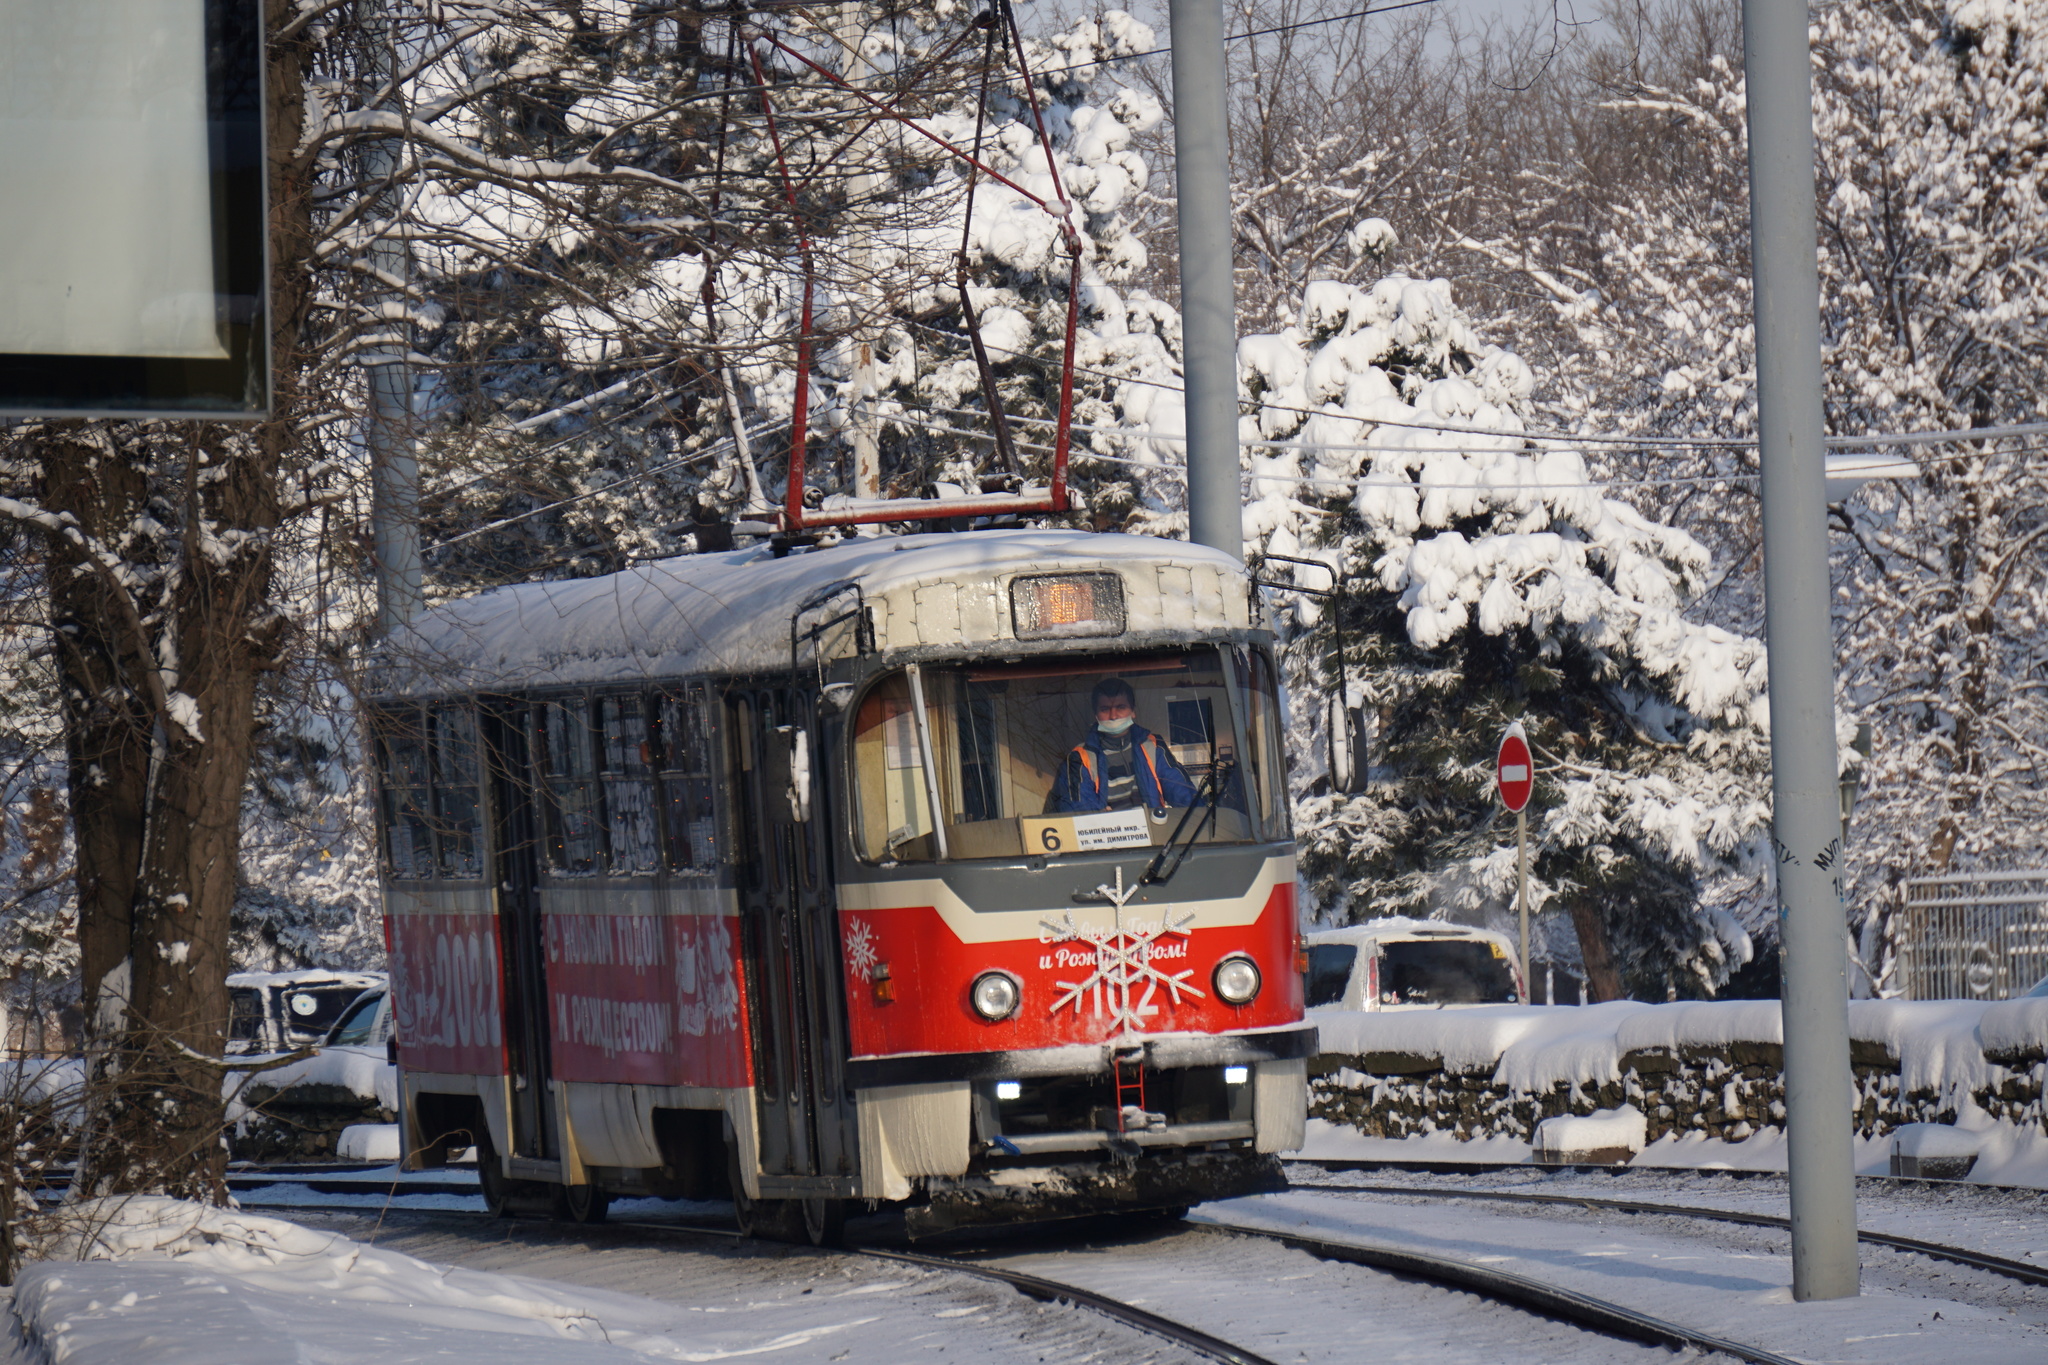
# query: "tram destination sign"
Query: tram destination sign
1514,772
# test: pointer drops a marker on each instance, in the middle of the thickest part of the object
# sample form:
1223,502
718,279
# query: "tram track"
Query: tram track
1975,1260
1520,1292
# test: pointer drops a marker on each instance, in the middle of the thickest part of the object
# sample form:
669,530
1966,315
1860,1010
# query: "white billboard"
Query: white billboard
130,134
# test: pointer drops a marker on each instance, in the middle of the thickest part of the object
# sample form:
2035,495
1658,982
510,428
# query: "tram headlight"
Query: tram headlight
995,995
1237,980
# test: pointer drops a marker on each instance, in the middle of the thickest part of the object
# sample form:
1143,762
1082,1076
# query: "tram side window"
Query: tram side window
1268,765
895,814
568,763
457,807
629,785
686,784
408,837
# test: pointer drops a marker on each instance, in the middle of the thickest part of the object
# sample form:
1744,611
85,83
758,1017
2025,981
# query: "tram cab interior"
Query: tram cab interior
999,732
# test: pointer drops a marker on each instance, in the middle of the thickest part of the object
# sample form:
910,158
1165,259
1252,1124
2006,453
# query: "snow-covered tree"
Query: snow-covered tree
1933,235
1489,578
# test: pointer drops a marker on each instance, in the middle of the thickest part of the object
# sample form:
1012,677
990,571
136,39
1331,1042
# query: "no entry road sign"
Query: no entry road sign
1513,771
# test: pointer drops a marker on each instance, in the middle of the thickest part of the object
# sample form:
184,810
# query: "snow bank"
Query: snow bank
1935,1140
368,1142
1328,1141
30,1079
1625,1128
174,1283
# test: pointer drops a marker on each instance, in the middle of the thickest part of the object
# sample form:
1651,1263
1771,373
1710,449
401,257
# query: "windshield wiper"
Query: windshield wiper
1212,787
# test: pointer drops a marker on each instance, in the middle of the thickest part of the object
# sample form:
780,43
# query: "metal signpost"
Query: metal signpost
1514,776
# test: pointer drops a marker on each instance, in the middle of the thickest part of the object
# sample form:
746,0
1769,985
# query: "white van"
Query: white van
1404,964
272,1012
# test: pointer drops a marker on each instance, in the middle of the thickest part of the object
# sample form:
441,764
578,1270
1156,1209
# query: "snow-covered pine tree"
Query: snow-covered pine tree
1934,236
1489,578
606,278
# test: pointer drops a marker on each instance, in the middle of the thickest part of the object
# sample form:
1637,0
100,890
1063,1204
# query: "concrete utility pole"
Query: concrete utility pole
1208,300
1805,798
863,190
388,426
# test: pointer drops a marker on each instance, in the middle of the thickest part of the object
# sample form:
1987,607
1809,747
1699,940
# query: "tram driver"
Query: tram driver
1119,764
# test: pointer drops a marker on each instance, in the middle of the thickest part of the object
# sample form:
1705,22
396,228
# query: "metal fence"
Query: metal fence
1974,936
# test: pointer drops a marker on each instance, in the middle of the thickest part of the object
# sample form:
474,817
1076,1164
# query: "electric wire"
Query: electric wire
1910,438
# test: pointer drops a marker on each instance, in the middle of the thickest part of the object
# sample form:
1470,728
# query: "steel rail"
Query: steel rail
1517,1291
1549,1300
1976,1260
1031,1286
1056,1291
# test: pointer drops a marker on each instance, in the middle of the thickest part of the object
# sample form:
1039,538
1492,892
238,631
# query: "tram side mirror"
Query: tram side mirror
1344,734
789,768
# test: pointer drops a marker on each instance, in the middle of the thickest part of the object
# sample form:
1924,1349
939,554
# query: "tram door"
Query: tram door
516,834
807,1124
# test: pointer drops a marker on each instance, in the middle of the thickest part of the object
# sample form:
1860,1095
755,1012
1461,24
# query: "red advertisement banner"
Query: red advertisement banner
448,993
646,999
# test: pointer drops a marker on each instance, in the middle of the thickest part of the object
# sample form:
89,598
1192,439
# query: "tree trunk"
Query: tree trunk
1602,981
160,672
106,722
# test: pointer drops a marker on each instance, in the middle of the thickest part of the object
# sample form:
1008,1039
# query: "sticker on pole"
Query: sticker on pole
1514,772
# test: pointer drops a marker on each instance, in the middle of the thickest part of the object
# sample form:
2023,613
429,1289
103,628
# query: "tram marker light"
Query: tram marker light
1008,1090
1236,1075
1067,606
1237,980
995,995
884,988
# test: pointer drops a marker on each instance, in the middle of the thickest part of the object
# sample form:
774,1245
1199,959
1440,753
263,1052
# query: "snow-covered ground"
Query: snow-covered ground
1733,1283
173,1283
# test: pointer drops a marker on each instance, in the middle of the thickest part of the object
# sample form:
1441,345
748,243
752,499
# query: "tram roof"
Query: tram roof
731,613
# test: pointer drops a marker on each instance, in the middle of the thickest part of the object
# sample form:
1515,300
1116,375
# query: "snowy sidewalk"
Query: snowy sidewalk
1724,1284
180,1285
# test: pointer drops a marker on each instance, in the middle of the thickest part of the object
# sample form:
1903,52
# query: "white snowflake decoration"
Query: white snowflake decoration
1124,982
860,949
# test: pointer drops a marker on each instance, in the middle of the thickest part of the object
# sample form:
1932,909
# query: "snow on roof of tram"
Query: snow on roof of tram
712,613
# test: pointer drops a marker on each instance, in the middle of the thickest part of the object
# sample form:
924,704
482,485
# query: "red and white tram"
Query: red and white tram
812,876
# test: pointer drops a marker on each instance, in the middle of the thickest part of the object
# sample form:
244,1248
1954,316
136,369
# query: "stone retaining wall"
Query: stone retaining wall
1725,1092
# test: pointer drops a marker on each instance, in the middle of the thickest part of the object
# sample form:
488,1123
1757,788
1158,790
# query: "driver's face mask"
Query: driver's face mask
1113,727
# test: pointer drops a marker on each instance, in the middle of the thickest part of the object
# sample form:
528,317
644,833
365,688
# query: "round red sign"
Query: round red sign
1514,772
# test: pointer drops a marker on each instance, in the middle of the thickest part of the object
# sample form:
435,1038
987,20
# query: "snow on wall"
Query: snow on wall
359,1073
1940,1045
1935,1041
2013,1028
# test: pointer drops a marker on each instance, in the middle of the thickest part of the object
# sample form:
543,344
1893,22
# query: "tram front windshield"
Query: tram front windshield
1027,757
